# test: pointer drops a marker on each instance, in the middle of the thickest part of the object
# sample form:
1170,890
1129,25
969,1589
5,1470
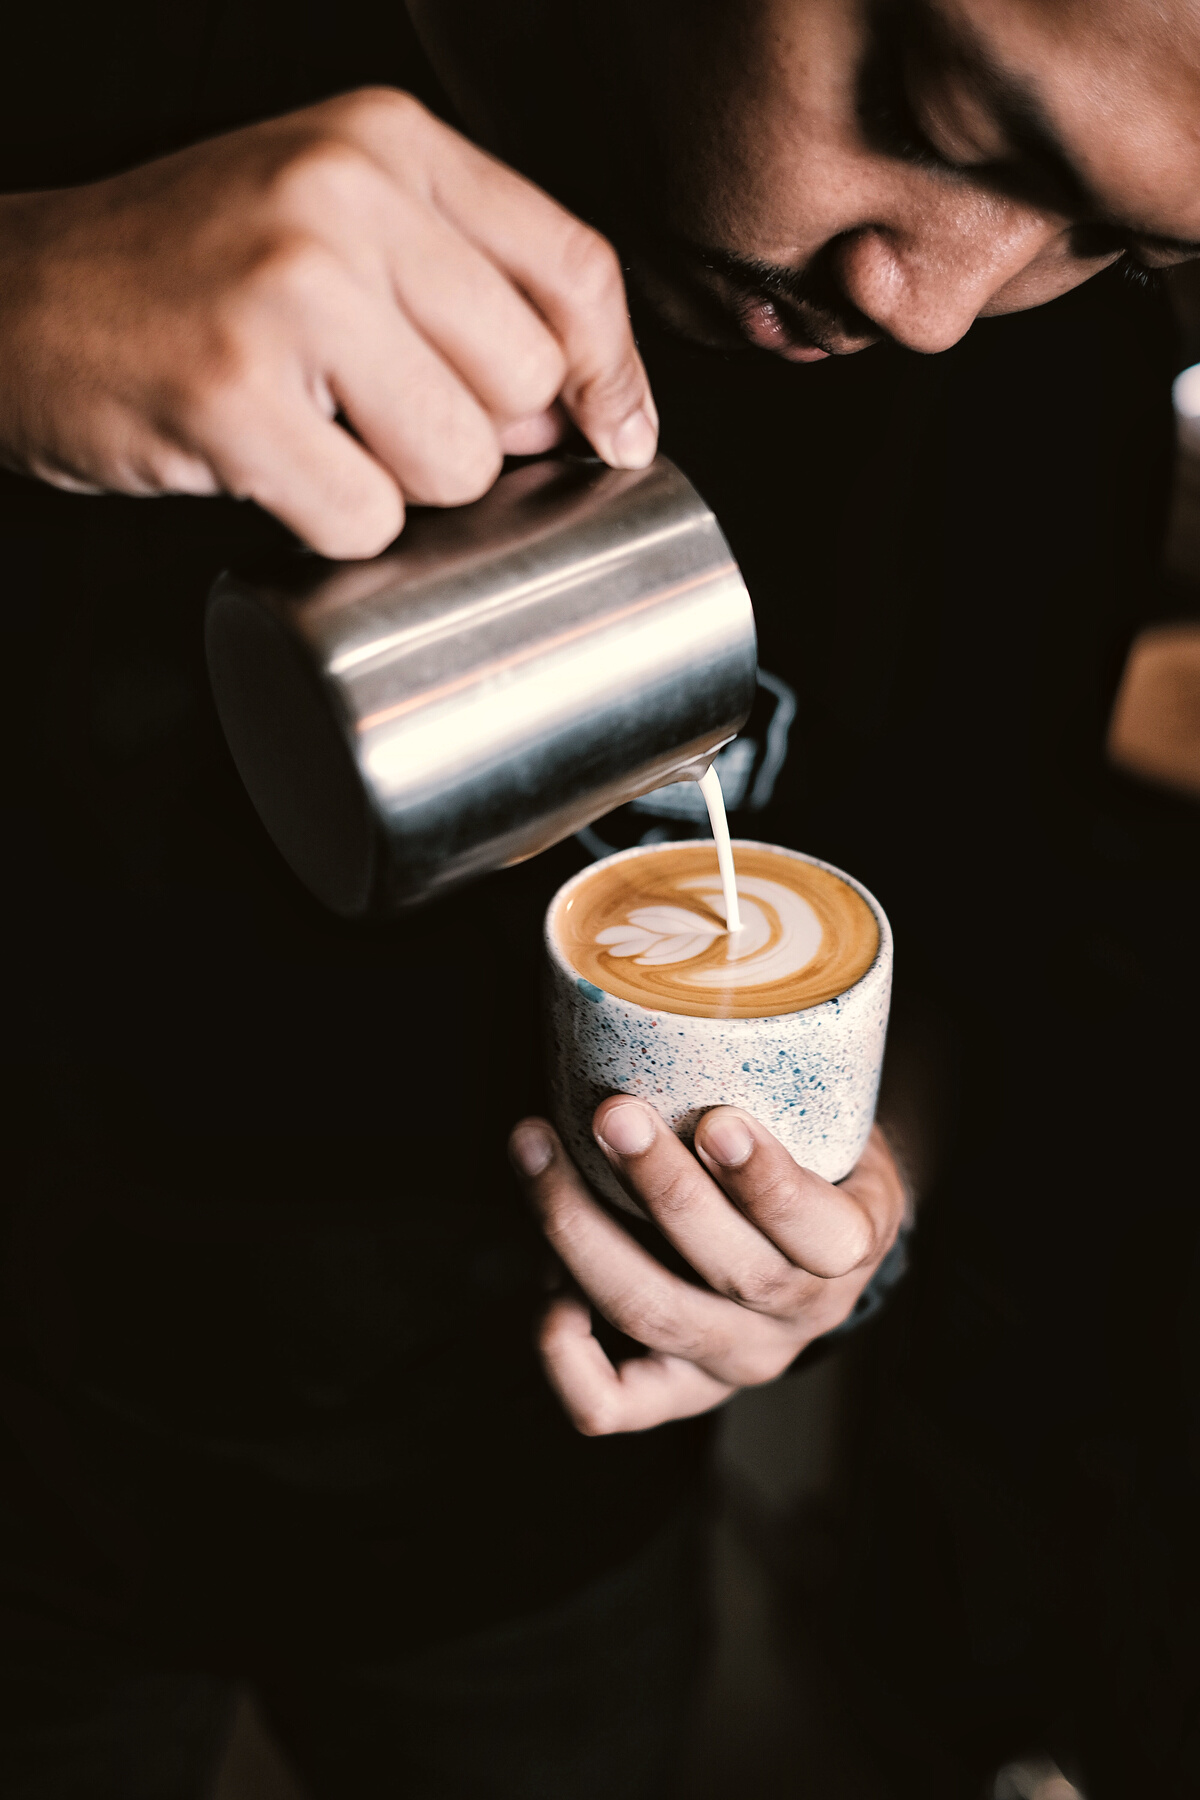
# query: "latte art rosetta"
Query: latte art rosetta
765,949
651,928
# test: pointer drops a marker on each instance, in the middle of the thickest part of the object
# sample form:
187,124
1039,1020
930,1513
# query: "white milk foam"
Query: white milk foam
662,934
656,935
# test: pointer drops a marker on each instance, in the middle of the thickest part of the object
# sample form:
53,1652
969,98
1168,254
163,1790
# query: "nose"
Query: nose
925,282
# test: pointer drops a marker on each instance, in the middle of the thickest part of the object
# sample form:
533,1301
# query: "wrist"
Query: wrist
906,1164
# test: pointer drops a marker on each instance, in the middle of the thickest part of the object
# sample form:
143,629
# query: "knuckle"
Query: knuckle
590,266
551,1336
327,173
613,392
399,115
647,1318
763,1364
775,1198
165,468
557,1213
761,1290
674,1193
388,117
535,376
376,102
465,475
859,1240
206,400
595,1417
289,274
354,540
350,529
299,270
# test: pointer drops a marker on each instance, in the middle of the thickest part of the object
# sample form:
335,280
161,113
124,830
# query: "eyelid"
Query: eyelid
921,150
921,83
1154,258
924,154
916,106
1014,168
886,110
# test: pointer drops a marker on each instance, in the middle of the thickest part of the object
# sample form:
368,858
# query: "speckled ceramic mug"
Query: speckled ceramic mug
811,1077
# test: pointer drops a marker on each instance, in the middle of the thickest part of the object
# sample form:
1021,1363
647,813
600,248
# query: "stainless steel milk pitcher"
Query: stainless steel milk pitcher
505,674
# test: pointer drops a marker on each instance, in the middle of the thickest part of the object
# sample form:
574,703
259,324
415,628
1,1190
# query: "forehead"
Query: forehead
1119,80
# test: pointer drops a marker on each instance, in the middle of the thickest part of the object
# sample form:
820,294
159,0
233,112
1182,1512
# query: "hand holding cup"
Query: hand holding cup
782,1253
736,1076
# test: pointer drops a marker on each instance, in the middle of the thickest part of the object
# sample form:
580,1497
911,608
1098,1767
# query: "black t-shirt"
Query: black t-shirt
267,1346
270,1290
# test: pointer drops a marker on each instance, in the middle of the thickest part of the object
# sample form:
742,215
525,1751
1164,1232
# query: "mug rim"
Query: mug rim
883,952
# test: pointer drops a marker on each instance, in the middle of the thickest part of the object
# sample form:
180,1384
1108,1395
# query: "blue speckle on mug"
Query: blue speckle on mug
810,1076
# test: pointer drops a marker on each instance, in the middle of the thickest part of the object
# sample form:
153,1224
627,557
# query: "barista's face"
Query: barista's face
813,175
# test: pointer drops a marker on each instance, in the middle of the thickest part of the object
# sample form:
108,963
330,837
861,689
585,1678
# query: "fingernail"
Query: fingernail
635,441
531,1149
727,1141
628,1129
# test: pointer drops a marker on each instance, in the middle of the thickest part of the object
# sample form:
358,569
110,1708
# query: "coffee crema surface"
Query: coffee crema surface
651,929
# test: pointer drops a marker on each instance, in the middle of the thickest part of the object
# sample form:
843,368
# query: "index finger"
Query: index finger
573,277
819,1227
639,1393
724,1247
630,1287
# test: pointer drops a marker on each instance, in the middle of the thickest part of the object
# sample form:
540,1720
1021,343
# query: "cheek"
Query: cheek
754,191
1053,273
759,129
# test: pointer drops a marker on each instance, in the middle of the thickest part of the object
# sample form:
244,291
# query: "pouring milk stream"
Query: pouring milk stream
710,786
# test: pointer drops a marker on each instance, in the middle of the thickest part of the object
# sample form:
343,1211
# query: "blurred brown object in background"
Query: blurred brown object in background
1155,726
1039,1779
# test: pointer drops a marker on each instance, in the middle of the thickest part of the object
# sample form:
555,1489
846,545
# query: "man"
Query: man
271,1406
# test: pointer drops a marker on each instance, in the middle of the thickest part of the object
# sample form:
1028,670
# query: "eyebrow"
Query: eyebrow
1019,111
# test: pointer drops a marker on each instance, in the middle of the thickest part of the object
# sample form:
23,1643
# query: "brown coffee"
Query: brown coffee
651,928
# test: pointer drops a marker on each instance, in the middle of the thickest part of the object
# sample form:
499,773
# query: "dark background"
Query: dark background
341,1429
